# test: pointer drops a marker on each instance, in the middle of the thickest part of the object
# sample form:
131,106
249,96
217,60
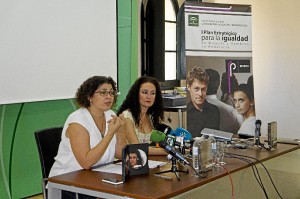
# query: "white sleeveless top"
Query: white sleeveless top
248,126
65,160
143,138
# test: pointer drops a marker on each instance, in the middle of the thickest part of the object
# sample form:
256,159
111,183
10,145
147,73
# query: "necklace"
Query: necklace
143,122
100,123
102,127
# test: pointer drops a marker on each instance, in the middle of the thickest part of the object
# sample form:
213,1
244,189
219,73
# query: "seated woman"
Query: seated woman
91,134
143,112
244,104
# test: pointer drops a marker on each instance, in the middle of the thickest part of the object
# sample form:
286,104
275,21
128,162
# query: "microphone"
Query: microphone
157,136
181,132
257,132
174,153
161,133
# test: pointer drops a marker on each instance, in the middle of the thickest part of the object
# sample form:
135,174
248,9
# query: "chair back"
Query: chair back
47,141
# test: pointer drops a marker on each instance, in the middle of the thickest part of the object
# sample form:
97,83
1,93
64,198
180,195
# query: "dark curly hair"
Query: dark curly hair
88,88
197,74
132,103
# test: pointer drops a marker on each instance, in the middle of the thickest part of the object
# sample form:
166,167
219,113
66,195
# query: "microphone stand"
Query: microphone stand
257,135
259,144
174,169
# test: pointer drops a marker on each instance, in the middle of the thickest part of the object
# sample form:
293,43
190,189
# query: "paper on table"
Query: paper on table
153,164
111,168
117,168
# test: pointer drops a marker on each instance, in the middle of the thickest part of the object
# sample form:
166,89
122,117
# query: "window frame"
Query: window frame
153,41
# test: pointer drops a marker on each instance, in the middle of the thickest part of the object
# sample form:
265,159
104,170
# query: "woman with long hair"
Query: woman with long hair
244,104
143,112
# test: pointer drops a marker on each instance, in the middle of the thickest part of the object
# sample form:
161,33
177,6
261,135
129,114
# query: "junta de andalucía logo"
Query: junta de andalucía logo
193,20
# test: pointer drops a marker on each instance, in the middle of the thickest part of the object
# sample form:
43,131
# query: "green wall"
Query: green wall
21,168
20,172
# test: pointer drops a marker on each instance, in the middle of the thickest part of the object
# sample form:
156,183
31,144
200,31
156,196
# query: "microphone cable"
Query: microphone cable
253,166
254,169
231,181
267,173
264,169
260,146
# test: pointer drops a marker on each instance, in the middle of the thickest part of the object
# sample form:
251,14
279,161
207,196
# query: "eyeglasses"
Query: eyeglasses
105,93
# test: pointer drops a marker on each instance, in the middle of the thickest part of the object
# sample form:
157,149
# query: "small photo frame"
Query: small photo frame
134,160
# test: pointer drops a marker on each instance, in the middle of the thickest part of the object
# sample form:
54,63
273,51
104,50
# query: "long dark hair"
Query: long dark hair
132,103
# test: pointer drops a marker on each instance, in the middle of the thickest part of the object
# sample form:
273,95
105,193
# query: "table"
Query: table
284,170
179,109
148,186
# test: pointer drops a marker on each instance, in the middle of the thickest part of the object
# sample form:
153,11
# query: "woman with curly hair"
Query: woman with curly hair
143,112
91,135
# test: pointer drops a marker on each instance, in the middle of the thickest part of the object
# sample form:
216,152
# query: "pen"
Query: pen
164,177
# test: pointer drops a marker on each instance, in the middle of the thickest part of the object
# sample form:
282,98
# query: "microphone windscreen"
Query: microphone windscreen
181,132
157,136
258,123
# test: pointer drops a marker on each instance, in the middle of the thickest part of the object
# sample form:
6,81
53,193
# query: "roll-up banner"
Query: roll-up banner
218,40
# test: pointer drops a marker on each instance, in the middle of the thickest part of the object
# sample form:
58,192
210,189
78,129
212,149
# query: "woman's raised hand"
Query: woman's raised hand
115,123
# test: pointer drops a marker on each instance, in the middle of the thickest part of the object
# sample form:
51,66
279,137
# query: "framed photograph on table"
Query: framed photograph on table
134,160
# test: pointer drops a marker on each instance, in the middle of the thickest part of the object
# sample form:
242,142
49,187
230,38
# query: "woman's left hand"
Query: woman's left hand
122,129
115,123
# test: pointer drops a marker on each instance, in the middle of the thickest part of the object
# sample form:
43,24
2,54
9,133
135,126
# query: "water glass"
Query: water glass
222,150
